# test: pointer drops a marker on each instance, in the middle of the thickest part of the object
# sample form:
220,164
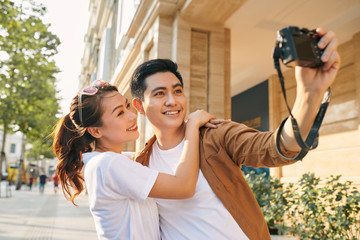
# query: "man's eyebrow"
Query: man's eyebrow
119,106
158,88
164,88
177,85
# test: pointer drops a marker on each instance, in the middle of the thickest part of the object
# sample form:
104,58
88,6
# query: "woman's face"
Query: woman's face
119,122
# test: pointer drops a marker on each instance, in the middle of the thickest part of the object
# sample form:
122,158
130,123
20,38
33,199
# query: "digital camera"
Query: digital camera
299,47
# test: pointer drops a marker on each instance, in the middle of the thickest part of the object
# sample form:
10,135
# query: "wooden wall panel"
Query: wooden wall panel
199,70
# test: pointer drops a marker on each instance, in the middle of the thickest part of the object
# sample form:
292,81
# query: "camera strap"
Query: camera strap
311,141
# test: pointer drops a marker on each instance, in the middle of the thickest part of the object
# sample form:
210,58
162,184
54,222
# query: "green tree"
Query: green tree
27,77
7,20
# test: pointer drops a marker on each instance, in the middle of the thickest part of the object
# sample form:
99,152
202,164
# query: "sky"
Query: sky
69,21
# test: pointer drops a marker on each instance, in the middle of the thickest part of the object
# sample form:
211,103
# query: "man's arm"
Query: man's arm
311,86
242,145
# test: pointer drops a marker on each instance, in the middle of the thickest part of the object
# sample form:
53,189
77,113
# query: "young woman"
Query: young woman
93,134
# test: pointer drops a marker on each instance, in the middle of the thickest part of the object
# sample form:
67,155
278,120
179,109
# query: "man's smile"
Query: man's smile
172,112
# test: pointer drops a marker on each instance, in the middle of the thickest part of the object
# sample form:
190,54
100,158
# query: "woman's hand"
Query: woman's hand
214,122
203,118
199,118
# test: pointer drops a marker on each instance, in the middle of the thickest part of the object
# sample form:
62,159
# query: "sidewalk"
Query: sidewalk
31,215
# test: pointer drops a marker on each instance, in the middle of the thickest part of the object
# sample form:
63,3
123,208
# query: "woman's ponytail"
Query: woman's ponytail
68,146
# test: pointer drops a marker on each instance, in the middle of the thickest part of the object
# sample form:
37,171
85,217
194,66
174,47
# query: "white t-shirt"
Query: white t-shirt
201,217
118,189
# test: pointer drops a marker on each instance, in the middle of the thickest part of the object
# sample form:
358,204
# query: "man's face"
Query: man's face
164,101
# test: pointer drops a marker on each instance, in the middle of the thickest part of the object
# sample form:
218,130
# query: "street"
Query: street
32,215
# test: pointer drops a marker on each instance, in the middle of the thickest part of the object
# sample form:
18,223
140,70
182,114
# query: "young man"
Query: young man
223,206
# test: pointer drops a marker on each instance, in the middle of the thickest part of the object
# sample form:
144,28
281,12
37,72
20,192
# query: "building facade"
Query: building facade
12,149
224,48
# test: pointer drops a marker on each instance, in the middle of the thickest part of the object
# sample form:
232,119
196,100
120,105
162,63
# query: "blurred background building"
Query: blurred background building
13,157
12,151
224,52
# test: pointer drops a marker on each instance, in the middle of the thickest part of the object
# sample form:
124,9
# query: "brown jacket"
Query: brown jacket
222,152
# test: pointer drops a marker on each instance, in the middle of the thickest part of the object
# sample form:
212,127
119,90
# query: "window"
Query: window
126,12
12,148
103,57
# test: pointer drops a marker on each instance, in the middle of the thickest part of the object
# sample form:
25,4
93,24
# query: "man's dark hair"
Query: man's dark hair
148,68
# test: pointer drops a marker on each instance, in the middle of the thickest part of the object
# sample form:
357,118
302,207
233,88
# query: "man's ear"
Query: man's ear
95,132
138,105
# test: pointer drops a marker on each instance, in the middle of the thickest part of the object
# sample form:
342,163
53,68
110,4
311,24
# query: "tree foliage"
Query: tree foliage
27,76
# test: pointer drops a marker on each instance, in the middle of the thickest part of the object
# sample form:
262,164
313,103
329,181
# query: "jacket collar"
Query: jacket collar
143,156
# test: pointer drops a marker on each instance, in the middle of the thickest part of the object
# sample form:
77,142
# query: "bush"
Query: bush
272,199
330,211
308,209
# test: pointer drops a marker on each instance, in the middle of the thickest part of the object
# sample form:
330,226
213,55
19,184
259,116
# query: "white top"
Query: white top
118,189
201,217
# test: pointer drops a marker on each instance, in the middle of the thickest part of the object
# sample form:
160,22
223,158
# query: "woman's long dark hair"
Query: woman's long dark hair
71,139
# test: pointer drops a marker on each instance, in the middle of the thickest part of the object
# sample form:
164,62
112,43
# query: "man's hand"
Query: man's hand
317,80
311,86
